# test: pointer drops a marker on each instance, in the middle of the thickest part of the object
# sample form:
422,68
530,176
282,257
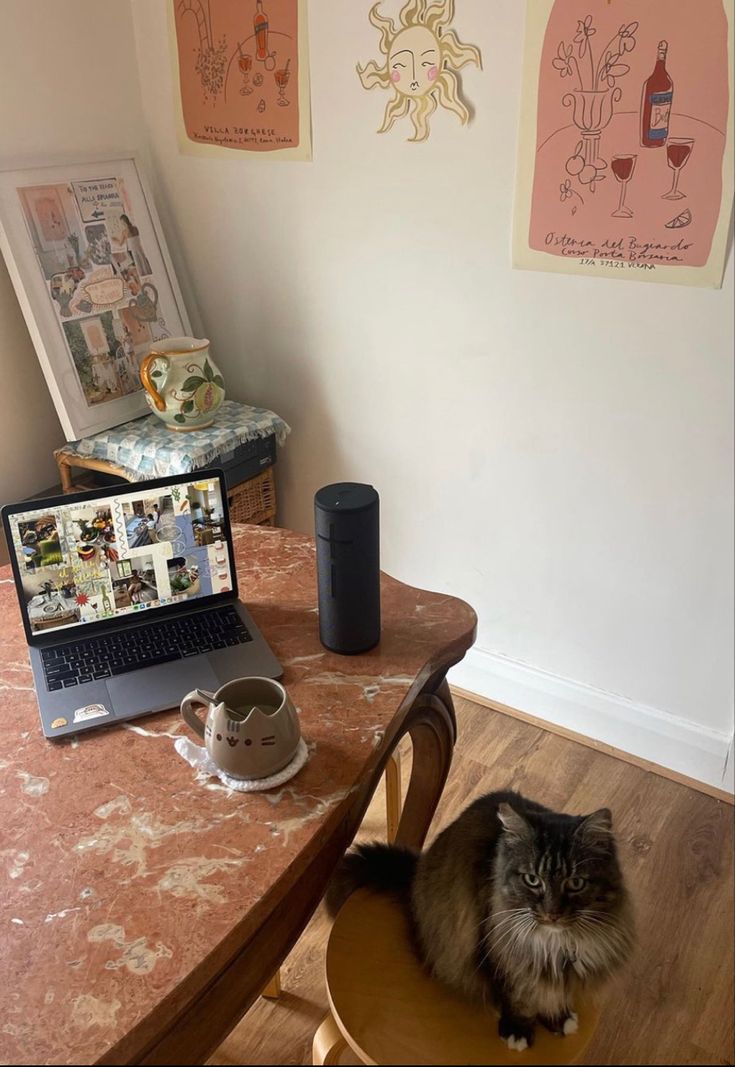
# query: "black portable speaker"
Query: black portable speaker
347,522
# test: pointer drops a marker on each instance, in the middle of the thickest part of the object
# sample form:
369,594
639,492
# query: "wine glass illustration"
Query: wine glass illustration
622,167
678,151
245,63
282,77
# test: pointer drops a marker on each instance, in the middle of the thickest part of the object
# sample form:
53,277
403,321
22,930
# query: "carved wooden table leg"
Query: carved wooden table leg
445,695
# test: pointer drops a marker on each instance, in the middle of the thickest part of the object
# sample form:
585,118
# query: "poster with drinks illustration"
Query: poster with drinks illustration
243,77
625,164
94,281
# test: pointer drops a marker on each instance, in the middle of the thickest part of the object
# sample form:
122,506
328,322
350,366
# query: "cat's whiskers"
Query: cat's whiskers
496,935
504,955
491,918
518,932
606,924
498,925
496,943
600,945
522,947
514,938
600,922
605,932
509,920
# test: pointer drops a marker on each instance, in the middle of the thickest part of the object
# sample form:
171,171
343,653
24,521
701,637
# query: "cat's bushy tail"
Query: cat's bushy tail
384,868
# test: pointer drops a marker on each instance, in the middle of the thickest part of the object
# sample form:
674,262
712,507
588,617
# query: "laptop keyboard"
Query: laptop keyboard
144,646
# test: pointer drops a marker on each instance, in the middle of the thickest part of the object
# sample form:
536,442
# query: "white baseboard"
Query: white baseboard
638,729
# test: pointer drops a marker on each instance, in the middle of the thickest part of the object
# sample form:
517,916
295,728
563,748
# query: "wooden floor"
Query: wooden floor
674,1003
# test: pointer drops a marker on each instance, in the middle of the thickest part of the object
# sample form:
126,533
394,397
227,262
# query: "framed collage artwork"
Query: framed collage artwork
92,274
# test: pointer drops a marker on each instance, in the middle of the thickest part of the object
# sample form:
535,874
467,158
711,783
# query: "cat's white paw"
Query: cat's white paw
517,1044
571,1025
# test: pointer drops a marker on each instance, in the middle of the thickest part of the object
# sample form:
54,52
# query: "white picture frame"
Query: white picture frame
87,257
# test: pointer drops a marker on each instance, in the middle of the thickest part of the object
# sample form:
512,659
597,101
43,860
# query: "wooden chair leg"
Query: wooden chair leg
328,1044
393,794
65,477
433,730
393,815
273,990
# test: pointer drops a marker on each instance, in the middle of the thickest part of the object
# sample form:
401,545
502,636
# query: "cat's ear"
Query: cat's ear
513,823
596,827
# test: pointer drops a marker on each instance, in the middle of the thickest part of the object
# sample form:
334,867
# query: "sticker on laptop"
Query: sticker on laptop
91,711
58,723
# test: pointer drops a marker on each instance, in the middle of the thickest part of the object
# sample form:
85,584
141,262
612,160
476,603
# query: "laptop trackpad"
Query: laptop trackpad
156,688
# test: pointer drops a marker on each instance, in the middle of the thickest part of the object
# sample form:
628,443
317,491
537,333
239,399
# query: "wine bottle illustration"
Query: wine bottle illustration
658,95
261,27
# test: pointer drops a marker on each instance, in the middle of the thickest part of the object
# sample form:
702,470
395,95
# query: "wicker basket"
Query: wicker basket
254,501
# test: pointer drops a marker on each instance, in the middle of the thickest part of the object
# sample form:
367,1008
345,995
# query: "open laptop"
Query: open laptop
129,599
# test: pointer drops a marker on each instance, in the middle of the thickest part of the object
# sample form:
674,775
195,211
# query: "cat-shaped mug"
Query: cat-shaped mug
251,729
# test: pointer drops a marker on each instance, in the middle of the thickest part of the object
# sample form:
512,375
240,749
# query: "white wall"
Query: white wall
69,86
557,451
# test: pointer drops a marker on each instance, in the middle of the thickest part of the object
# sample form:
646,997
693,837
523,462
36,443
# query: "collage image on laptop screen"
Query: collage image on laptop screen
123,553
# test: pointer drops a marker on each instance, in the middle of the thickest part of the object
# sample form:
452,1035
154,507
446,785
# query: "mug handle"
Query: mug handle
190,717
145,377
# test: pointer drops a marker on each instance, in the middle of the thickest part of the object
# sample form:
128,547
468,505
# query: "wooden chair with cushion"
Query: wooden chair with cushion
388,1010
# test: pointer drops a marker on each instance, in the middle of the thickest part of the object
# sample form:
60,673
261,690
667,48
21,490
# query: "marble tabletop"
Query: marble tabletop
126,879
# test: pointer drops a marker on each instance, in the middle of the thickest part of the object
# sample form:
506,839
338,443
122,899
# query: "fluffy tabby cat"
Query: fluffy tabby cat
513,904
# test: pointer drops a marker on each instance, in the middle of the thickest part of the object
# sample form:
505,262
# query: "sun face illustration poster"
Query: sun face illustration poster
242,67
419,65
625,162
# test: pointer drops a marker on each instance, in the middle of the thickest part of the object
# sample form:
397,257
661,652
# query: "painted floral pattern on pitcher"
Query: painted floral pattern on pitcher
206,391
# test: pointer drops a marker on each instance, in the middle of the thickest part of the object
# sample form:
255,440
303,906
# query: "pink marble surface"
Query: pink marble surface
121,870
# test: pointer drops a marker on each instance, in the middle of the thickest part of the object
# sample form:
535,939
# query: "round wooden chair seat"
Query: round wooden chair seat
389,1011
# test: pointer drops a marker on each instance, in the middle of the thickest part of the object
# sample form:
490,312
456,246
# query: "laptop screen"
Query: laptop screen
129,551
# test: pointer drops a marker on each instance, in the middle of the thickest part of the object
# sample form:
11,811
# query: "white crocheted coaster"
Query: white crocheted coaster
199,758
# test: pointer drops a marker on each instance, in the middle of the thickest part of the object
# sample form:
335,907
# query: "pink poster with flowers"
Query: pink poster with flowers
626,141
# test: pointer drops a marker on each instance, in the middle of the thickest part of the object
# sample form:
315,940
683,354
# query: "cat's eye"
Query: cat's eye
574,885
531,880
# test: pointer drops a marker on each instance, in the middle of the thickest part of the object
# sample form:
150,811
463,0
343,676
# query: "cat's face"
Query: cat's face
562,869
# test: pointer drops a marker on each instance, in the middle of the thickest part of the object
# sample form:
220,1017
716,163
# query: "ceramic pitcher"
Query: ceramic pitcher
182,382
